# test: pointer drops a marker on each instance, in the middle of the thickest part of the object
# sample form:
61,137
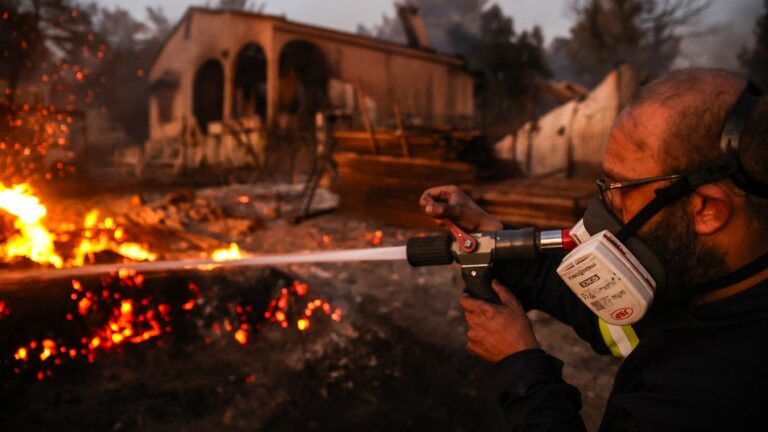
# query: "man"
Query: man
701,362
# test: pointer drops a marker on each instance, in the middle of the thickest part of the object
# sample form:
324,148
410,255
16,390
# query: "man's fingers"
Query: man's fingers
504,294
478,349
468,304
473,305
439,193
474,346
436,209
442,210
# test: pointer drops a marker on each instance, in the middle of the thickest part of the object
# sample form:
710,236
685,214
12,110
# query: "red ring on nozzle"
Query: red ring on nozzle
569,243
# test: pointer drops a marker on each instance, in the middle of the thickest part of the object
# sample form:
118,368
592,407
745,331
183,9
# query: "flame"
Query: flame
33,239
91,219
117,318
90,246
109,238
231,253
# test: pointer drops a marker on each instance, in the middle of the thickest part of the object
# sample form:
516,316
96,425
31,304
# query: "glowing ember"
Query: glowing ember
117,310
300,288
231,253
278,309
49,348
21,354
375,237
241,335
33,239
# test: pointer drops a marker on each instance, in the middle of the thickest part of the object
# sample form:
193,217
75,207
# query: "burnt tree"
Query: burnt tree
755,60
645,34
508,62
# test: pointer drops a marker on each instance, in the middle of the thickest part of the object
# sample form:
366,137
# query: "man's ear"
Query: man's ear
711,206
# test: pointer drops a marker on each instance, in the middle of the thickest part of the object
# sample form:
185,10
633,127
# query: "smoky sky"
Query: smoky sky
714,41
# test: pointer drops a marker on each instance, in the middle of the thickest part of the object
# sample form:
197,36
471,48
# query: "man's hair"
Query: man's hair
703,98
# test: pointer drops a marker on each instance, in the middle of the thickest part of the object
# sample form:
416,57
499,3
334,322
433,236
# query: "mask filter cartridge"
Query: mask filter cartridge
608,279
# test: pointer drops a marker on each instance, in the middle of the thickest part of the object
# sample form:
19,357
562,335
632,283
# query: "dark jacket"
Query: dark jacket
703,368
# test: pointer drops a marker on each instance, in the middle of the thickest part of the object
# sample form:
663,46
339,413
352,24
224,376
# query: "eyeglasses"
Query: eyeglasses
608,188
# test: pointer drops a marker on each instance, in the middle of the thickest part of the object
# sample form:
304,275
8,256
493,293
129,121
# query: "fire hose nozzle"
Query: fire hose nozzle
485,249
429,251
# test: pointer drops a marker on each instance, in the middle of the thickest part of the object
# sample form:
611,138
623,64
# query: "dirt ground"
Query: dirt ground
395,361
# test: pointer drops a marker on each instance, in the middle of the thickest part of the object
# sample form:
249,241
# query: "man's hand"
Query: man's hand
449,202
496,332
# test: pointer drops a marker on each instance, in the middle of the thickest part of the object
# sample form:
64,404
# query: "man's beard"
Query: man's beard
687,261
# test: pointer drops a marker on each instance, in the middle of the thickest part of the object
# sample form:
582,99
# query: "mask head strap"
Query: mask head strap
729,140
725,166
738,117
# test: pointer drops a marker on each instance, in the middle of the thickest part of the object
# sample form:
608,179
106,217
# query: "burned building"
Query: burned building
222,79
570,140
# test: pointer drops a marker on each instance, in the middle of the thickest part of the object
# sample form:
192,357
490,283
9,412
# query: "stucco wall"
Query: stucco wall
425,84
572,137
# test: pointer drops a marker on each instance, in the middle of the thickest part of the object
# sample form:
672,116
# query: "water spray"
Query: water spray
351,255
476,253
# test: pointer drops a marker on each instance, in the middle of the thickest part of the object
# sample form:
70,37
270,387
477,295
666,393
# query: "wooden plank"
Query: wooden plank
527,187
540,222
529,199
401,209
392,149
388,188
542,202
419,146
401,131
405,177
505,211
366,119
382,160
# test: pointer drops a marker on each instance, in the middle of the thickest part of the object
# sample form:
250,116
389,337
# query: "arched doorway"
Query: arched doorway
250,86
208,99
304,76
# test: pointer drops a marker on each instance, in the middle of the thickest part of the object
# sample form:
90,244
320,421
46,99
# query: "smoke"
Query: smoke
726,28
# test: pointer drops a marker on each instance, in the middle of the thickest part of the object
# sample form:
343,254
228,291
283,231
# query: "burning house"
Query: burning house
223,79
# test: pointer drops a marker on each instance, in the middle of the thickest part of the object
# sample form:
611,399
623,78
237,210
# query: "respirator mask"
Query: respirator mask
614,272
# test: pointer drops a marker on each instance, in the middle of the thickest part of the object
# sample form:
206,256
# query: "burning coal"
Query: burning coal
123,308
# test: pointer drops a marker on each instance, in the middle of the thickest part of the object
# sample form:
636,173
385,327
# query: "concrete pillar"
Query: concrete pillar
272,52
229,79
